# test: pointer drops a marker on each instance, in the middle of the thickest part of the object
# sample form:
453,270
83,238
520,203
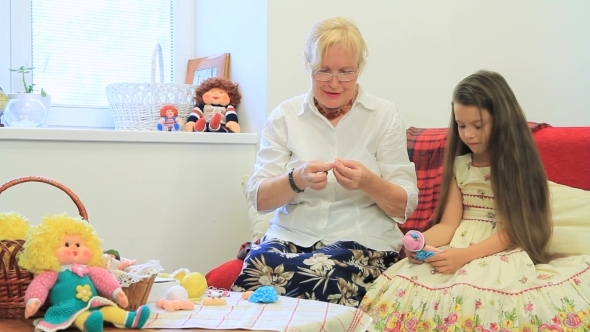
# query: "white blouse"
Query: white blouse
373,133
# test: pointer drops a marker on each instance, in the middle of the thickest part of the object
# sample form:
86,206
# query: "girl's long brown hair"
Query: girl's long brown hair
519,181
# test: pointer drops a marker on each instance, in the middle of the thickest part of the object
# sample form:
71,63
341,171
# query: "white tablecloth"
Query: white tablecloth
287,314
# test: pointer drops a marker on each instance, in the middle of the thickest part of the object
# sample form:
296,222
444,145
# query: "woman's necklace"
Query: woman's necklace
331,115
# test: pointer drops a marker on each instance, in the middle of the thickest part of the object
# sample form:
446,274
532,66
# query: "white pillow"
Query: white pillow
571,219
258,221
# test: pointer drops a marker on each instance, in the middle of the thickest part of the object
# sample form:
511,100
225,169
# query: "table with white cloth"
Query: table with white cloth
286,314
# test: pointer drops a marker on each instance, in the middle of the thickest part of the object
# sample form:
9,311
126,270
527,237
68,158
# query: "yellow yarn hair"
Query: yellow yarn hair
13,226
43,240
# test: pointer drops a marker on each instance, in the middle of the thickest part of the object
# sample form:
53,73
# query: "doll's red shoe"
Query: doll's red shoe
215,122
200,124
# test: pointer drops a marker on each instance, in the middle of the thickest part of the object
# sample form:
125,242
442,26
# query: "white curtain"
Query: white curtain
79,47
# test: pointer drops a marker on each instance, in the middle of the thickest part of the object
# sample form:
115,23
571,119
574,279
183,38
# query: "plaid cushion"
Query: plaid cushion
426,147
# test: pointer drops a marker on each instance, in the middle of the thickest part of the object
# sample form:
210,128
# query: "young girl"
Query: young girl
492,270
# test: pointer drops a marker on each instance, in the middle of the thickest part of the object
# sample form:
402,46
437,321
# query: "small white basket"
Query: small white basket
136,106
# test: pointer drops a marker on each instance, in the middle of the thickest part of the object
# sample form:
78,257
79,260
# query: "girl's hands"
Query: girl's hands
412,255
449,260
313,174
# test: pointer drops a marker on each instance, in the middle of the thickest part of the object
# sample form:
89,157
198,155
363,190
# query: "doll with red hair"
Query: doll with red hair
215,110
169,119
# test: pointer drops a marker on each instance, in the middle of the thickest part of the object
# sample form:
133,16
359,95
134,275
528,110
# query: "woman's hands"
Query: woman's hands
390,197
313,174
351,174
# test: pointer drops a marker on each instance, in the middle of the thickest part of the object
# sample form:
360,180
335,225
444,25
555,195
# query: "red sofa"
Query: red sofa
565,152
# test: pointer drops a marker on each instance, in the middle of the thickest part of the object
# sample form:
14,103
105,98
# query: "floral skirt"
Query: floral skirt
338,273
502,292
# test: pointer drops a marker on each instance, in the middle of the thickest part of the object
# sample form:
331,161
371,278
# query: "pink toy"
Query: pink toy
174,305
414,241
176,299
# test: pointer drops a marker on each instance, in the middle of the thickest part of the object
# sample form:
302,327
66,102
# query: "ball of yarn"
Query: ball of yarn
195,283
413,240
176,293
264,294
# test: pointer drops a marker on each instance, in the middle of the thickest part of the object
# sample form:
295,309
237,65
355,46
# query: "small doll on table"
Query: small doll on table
64,254
114,262
215,110
169,119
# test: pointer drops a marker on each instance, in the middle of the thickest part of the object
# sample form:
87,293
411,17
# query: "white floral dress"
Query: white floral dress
502,292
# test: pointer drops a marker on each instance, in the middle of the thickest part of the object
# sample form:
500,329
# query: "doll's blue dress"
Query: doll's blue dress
71,295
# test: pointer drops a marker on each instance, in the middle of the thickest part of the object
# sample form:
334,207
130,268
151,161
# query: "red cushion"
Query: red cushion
566,155
224,275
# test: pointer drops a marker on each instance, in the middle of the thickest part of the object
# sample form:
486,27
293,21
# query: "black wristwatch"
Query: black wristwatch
292,182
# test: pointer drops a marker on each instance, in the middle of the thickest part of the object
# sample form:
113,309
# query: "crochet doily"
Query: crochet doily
136,272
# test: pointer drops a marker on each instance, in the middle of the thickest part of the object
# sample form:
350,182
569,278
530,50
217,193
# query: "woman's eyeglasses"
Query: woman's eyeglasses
323,76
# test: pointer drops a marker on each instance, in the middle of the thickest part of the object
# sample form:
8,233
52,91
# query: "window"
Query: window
79,47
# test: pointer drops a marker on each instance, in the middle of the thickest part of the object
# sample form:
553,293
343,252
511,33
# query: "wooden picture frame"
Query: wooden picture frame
202,68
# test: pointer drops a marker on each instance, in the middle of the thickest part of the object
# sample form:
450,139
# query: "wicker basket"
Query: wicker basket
136,106
15,280
138,293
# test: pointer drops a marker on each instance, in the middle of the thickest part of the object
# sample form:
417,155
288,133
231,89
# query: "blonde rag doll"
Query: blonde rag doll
65,255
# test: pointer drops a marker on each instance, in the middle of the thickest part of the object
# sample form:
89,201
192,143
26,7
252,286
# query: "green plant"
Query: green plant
28,88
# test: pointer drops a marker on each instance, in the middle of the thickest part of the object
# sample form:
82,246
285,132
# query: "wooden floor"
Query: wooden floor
24,325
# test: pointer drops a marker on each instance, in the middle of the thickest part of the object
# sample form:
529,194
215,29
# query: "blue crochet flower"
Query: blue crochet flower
264,294
423,254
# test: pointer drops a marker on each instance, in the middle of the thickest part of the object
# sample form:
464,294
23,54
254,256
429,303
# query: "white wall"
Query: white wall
238,28
418,51
173,197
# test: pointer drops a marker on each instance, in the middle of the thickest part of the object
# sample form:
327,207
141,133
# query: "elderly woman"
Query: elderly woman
334,167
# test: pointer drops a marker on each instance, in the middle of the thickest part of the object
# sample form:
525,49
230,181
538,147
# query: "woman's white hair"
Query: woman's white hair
333,31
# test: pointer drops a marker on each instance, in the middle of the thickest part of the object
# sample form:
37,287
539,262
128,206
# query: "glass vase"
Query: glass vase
25,110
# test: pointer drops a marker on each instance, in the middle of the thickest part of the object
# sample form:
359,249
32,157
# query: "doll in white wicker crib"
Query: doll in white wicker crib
112,261
215,110
64,254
